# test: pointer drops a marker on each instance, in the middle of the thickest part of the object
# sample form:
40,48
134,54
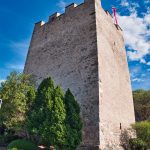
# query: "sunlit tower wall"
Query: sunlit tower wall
83,50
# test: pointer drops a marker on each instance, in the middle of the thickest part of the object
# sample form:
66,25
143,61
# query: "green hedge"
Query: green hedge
22,145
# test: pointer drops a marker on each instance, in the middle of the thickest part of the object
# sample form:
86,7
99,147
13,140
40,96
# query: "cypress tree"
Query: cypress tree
56,134
41,107
73,121
48,115
55,117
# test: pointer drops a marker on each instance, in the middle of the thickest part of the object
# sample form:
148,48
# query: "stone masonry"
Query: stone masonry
83,50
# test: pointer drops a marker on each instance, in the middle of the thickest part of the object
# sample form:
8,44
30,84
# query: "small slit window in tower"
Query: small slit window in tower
120,126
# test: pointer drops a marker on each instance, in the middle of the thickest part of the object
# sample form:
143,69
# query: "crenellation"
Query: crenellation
39,24
70,7
93,1
53,17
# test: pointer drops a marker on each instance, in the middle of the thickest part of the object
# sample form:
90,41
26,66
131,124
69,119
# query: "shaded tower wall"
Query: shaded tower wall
83,50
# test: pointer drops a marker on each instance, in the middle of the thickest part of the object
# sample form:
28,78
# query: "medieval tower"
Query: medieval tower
83,50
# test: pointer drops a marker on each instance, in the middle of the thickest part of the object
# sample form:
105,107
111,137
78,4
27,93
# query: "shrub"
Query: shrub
143,131
22,145
137,144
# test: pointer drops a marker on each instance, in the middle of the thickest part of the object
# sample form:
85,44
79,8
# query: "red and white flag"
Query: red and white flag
115,15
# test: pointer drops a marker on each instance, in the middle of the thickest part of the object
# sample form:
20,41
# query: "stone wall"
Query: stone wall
116,102
65,48
83,50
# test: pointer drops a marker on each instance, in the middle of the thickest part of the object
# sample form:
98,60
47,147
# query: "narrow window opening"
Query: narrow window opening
120,126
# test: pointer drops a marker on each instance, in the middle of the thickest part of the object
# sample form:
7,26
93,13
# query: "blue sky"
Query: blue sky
17,20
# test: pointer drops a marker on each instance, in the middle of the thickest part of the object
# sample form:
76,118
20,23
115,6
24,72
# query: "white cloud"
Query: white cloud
62,4
143,75
132,75
137,80
21,47
143,61
135,71
148,63
136,35
147,19
2,81
124,3
15,67
146,1
133,6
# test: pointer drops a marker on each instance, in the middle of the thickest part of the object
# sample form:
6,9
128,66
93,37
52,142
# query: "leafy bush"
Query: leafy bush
137,144
143,131
22,145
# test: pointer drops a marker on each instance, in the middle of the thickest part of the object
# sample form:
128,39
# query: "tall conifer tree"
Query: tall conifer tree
73,121
48,115
55,117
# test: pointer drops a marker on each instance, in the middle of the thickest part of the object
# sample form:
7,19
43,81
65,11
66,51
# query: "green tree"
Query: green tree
143,131
15,93
48,115
73,121
142,104
55,117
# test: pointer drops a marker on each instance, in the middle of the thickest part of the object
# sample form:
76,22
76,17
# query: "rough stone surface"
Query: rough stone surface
83,50
116,102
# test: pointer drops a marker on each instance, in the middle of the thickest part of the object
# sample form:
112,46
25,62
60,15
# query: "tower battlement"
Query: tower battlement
70,9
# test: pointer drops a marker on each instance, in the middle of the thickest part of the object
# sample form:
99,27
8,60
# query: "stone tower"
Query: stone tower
83,50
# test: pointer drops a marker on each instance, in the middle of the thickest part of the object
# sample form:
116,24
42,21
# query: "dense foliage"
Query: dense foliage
143,131
22,145
48,115
15,93
73,121
55,117
142,104
137,144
